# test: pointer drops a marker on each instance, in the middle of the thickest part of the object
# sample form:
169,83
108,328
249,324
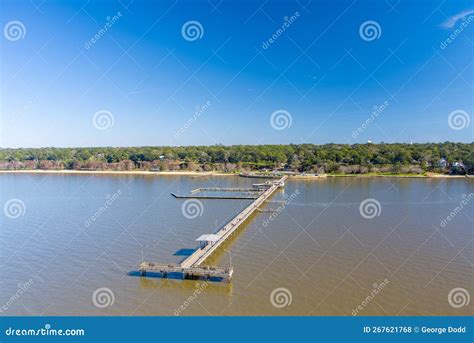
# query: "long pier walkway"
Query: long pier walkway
191,266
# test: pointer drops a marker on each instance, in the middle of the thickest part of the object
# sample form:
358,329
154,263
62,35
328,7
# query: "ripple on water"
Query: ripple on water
319,248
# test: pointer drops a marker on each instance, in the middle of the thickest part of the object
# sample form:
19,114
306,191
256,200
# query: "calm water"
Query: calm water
319,247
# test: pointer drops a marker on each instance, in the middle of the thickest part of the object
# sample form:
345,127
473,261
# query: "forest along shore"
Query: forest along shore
192,173
298,159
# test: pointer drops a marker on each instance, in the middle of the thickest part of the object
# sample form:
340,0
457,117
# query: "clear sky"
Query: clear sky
147,80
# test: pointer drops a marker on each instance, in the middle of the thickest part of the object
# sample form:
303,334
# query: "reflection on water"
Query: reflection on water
316,249
163,283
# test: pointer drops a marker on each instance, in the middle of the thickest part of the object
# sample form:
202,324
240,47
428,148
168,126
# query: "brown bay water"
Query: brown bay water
319,254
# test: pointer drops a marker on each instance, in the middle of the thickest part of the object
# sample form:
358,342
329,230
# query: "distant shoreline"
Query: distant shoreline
215,173
116,172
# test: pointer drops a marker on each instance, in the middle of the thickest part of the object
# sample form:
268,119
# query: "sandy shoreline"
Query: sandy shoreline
115,172
202,174
414,176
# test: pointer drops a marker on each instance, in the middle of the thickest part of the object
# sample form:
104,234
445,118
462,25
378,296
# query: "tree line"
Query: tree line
447,157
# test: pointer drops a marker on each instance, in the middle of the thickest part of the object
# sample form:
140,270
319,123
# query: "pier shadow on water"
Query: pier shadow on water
184,252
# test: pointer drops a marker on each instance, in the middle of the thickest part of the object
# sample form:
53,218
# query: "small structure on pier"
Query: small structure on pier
207,239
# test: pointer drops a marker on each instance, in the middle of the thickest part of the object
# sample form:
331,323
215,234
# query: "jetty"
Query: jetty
236,197
192,267
216,189
260,175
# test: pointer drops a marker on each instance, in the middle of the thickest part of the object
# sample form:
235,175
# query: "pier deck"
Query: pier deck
232,197
217,189
191,266
190,272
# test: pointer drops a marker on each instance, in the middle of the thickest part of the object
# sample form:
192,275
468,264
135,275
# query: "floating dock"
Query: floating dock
236,197
191,266
215,189
259,176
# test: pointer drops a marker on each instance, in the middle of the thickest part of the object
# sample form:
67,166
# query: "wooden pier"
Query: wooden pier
231,197
255,192
187,272
215,189
191,266
260,176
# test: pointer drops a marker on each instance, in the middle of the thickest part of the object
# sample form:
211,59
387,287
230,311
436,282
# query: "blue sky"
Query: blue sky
152,86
